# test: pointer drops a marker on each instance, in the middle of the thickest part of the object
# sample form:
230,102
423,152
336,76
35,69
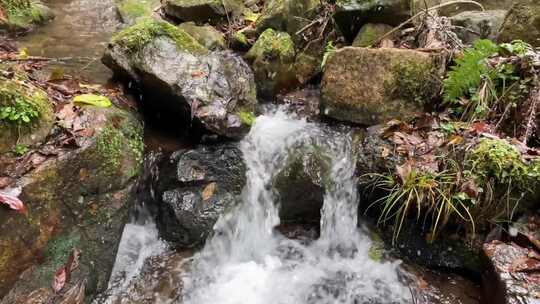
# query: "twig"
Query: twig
424,12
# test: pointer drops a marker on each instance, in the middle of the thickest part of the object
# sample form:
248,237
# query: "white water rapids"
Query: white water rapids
248,261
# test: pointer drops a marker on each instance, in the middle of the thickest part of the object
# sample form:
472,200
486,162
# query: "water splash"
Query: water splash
247,261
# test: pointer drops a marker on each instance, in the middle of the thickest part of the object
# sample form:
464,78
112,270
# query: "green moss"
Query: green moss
58,251
414,82
21,14
247,118
146,30
273,44
499,160
109,145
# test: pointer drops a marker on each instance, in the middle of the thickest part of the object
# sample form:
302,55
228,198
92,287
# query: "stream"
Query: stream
246,260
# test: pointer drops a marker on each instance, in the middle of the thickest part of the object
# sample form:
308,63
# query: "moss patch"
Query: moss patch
247,118
273,44
135,37
22,14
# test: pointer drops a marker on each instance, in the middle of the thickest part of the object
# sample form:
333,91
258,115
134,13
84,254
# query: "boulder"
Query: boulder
26,114
474,25
287,16
206,35
370,86
370,33
185,83
203,10
131,11
272,58
22,16
76,200
456,8
193,189
351,15
522,23
513,276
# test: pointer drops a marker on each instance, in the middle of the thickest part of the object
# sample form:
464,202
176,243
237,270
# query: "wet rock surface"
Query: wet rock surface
190,86
76,201
513,277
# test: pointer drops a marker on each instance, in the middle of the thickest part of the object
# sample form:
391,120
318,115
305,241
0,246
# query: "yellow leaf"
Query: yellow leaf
23,53
94,100
250,16
208,191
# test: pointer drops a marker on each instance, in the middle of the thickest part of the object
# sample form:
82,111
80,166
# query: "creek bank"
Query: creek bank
76,185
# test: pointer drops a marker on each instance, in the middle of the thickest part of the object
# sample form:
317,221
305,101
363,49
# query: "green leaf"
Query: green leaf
93,100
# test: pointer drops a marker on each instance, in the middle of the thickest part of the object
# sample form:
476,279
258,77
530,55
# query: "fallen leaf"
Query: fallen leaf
12,202
470,188
208,191
404,171
59,279
75,295
94,100
455,140
73,260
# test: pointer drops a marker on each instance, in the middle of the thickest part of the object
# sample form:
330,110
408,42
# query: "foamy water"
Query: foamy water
248,261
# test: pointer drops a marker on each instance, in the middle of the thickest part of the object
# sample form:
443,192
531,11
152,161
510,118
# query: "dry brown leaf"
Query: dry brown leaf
59,280
404,171
208,191
12,202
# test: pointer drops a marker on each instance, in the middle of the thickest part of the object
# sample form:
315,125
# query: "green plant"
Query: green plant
247,118
20,150
329,50
19,111
466,76
424,193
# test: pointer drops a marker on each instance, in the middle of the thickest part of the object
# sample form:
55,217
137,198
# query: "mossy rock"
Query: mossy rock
132,10
137,36
33,109
522,23
22,15
272,58
82,190
203,10
370,33
370,86
206,35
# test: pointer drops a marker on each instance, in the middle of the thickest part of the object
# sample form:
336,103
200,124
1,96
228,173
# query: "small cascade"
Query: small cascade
248,261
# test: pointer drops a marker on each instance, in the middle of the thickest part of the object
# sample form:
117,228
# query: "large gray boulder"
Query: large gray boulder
522,23
474,25
187,84
203,10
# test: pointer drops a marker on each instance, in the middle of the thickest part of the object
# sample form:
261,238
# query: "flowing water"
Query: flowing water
247,261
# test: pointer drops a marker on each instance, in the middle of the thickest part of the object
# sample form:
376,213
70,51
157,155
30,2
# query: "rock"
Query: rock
370,33
131,11
207,35
369,86
287,16
272,58
193,188
304,102
522,23
203,10
185,84
28,115
448,252
78,200
22,16
351,15
513,277
474,25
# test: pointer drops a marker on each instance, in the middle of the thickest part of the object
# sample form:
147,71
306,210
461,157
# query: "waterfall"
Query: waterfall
248,261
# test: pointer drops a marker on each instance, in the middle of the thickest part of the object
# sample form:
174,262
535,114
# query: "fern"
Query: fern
465,77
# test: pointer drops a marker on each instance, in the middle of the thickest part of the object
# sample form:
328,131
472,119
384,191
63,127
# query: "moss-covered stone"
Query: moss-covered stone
77,200
522,23
31,117
132,10
137,36
369,86
203,10
207,35
272,58
22,15
370,33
